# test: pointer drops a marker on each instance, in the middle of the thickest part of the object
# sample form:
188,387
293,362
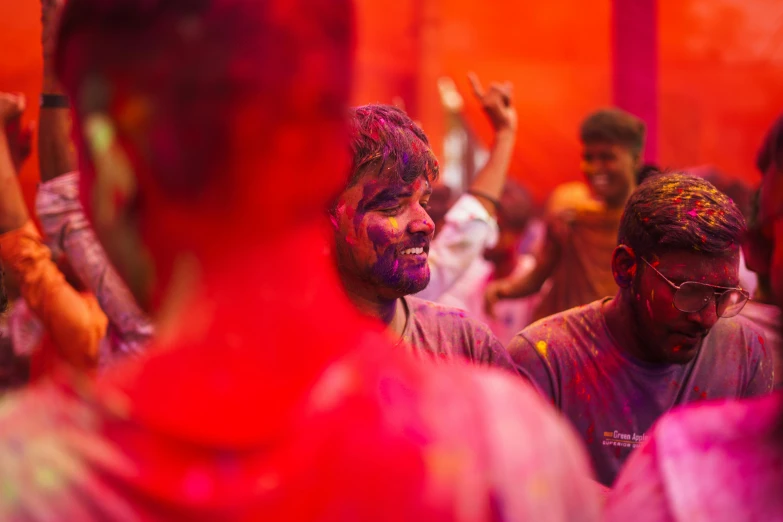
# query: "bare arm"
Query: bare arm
56,155
546,261
470,224
74,324
62,216
497,103
63,220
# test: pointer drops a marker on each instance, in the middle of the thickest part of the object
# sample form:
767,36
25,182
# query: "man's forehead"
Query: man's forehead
600,145
374,184
692,266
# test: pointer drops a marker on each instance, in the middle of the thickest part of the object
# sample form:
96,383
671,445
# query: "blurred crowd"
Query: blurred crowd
238,298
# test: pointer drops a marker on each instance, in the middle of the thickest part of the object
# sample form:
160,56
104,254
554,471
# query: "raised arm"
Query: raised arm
510,288
74,322
498,106
56,155
470,226
62,216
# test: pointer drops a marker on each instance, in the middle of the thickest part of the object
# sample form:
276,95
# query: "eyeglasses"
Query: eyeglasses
692,297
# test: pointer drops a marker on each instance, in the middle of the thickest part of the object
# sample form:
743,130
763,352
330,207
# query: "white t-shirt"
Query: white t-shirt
467,231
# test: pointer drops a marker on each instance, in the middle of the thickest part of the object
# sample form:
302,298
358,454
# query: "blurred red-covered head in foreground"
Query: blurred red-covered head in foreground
764,246
192,116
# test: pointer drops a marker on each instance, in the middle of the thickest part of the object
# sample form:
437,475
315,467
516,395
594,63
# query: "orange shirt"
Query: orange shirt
587,233
74,322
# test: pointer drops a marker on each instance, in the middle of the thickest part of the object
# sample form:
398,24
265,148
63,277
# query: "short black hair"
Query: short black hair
613,125
384,139
674,211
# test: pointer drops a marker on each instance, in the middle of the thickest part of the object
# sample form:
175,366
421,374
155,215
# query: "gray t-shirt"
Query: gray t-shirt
448,333
611,398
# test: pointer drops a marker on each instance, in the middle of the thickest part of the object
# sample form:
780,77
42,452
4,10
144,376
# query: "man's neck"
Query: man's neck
294,285
617,204
390,312
622,325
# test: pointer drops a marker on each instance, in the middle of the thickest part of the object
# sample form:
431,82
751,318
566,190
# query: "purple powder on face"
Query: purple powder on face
387,268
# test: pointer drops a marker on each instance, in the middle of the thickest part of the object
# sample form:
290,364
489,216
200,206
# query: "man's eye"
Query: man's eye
389,210
425,205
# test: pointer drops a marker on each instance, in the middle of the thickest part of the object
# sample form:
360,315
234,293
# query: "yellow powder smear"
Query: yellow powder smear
393,222
541,347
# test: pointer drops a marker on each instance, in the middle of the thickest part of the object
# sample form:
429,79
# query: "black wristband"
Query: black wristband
55,101
495,202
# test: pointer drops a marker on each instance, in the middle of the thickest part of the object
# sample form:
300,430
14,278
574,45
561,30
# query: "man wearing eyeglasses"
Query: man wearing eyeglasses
666,338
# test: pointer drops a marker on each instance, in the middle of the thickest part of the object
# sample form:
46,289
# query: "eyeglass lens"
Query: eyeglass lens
693,297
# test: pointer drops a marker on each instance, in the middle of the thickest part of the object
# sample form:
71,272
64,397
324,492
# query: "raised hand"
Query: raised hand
19,138
497,103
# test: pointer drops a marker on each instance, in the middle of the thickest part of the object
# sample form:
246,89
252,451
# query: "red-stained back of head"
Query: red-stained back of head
231,112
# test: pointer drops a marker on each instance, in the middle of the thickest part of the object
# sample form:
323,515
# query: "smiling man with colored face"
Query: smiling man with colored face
667,337
383,235
582,219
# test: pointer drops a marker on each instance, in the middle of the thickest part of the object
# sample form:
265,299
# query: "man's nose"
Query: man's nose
706,317
421,223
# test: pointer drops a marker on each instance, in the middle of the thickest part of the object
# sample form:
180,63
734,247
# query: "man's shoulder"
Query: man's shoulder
566,329
488,408
572,196
429,313
490,394
736,333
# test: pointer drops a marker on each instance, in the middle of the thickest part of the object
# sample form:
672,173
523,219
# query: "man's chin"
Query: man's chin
683,353
414,285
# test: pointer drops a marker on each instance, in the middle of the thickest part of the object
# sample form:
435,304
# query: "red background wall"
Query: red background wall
20,68
719,78
720,74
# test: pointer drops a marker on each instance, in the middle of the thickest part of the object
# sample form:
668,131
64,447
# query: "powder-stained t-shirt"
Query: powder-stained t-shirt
377,437
715,462
611,398
448,333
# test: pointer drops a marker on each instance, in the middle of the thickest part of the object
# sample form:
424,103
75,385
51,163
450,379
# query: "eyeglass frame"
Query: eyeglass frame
716,294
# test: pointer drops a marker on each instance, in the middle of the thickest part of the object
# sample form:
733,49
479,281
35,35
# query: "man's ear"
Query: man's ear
638,160
624,265
335,209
